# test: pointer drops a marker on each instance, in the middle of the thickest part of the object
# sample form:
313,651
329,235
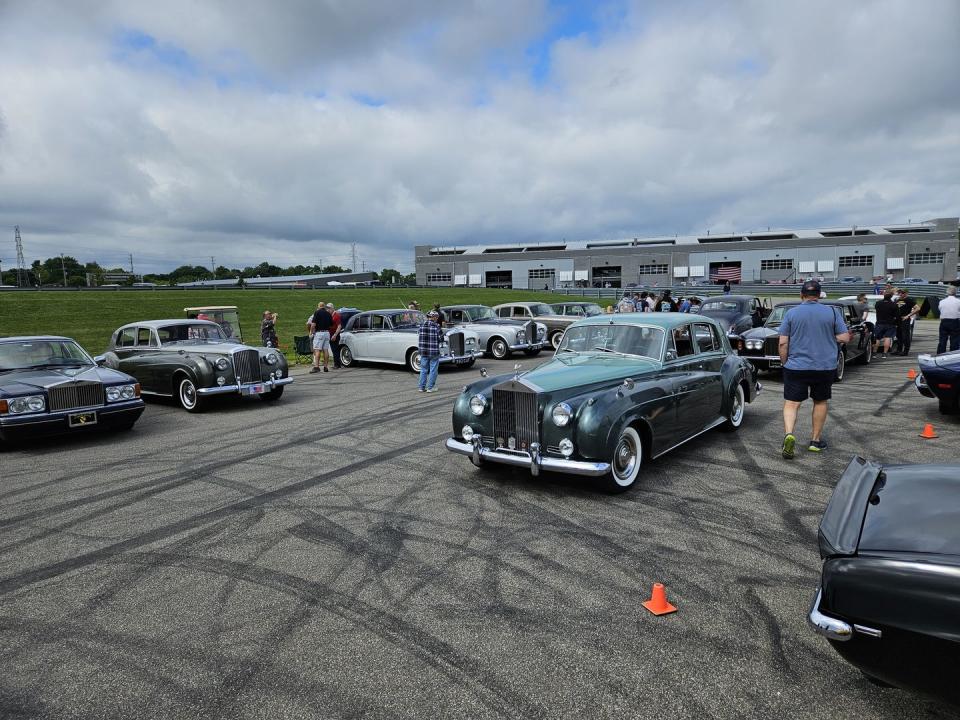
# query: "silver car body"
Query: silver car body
490,328
390,336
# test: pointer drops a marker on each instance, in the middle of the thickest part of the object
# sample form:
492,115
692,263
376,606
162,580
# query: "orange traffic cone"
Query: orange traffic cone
657,604
911,374
928,432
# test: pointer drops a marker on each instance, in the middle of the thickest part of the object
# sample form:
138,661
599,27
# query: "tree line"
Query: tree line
68,271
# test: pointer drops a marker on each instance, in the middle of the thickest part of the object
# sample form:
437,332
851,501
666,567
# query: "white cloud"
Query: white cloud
244,133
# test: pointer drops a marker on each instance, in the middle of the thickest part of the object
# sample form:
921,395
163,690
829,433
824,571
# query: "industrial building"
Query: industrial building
926,250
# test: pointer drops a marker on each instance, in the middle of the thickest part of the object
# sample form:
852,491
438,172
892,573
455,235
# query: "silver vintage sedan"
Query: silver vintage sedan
496,335
390,336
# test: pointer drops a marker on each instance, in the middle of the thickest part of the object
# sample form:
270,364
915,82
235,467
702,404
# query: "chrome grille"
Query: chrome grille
531,332
455,341
75,395
246,364
515,415
771,346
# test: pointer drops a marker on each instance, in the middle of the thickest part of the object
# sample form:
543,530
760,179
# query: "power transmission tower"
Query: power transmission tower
131,263
21,263
213,268
353,255
64,268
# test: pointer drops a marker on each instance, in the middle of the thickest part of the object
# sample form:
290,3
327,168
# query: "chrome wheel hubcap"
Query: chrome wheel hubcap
625,458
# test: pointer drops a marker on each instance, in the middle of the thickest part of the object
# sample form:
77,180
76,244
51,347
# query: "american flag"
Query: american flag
730,272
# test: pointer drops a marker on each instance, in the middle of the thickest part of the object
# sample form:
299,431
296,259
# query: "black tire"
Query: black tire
413,360
947,407
186,393
499,349
626,461
841,366
469,363
867,356
738,406
346,357
273,395
532,353
555,337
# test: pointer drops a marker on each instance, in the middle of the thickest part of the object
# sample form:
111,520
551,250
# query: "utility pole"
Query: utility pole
64,268
363,265
353,255
213,268
21,263
131,263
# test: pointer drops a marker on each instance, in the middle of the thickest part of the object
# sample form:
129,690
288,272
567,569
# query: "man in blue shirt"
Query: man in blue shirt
429,339
809,335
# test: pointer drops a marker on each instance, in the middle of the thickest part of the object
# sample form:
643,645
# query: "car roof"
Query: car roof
729,297
31,338
211,307
390,311
526,303
461,307
667,321
163,323
577,302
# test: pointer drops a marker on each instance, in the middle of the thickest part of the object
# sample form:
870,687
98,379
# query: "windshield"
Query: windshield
591,309
189,332
42,353
639,340
541,309
776,315
724,306
479,313
407,319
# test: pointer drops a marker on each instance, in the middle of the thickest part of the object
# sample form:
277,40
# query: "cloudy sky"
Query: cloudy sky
286,130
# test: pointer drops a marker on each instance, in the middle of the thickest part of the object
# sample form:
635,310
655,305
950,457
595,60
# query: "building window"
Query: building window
655,269
439,277
541,274
777,264
926,258
606,276
855,261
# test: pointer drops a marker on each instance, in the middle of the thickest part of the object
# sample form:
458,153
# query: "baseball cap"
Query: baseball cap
433,313
810,288
330,305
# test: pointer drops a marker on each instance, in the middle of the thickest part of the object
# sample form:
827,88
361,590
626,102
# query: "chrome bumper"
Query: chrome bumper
762,358
456,359
829,627
44,417
528,346
920,382
245,388
533,460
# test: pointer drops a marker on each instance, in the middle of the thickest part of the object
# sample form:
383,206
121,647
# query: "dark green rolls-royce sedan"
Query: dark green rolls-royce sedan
620,390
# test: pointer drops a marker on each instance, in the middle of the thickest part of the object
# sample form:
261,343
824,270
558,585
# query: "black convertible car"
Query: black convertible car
761,345
889,595
49,385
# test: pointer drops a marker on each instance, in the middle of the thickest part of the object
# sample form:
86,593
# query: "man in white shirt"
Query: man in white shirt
949,321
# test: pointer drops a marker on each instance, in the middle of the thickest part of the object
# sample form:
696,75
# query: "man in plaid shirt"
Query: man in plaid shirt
428,340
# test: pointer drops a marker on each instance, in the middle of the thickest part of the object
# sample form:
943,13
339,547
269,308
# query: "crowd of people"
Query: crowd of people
651,302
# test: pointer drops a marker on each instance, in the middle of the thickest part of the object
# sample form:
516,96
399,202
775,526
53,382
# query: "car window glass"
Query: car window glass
456,316
503,312
682,341
519,311
704,337
127,337
144,337
362,323
376,322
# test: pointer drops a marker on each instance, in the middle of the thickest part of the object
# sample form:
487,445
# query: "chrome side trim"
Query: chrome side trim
519,459
830,628
268,385
872,632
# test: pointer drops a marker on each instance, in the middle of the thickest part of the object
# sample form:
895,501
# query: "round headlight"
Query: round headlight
520,334
222,363
566,447
478,403
128,392
562,414
35,403
113,394
18,405
272,359
467,433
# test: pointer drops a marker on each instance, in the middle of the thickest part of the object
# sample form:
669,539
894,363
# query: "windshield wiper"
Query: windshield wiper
606,349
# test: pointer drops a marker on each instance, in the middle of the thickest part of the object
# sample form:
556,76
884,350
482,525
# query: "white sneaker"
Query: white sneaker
431,389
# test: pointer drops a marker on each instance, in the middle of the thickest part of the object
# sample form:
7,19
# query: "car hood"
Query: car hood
216,348
574,370
893,508
949,360
762,332
19,382
509,322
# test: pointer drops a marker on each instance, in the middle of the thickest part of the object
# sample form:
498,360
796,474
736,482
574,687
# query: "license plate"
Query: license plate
82,419
253,389
775,363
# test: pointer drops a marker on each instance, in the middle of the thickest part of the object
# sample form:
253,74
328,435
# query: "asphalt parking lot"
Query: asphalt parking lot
325,557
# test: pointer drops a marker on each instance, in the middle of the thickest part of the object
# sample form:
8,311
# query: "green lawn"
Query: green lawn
90,317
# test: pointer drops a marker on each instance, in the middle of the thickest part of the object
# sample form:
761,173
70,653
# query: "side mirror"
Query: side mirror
100,360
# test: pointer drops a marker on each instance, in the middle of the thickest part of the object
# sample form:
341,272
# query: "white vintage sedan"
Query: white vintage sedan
390,336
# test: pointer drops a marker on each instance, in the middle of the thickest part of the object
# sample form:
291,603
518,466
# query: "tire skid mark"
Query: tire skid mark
389,627
164,532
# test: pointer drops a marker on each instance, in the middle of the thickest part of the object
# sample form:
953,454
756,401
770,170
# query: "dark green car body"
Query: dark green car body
682,379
